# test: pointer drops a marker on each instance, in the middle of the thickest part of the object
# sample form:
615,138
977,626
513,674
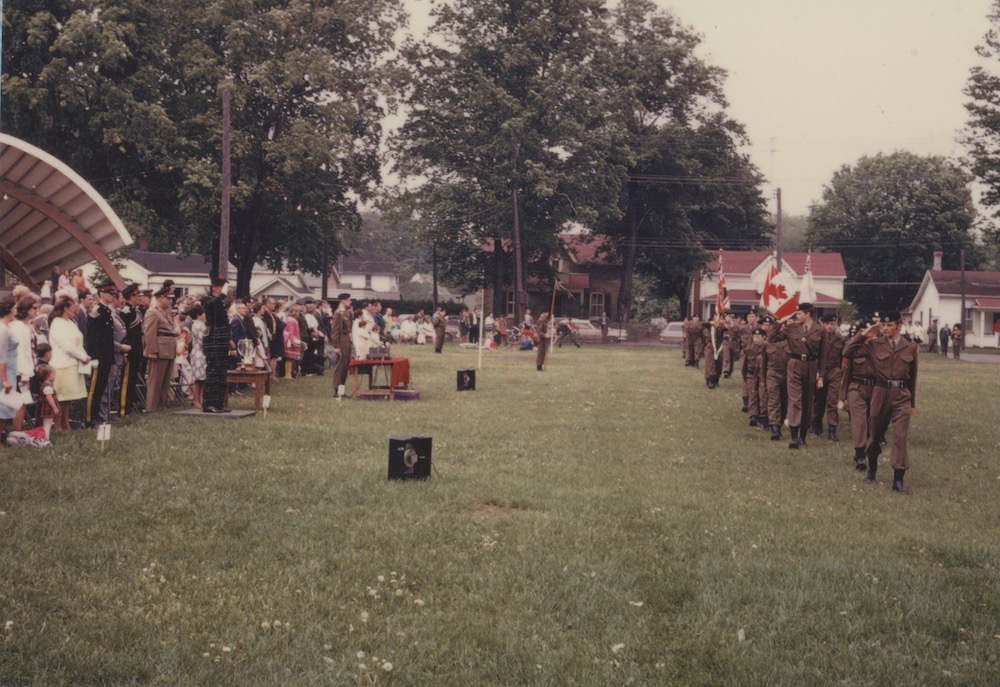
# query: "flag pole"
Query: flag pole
552,323
482,312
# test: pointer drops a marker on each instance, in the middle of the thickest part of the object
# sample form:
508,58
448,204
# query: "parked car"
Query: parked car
590,332
672,334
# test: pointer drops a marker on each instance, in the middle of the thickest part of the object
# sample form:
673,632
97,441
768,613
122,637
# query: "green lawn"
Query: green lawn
608,522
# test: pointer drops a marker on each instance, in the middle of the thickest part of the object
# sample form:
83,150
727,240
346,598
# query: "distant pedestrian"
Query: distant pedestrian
944,336
957,341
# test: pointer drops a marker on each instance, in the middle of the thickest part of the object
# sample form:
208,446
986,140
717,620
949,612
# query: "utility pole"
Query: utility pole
518,267
961,317
226,184
777,230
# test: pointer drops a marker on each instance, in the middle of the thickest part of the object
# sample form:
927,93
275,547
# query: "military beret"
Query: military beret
805,307
130,290
892,316
828,317
166,290
219,281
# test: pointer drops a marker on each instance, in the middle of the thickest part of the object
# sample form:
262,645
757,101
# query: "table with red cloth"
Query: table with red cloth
392,372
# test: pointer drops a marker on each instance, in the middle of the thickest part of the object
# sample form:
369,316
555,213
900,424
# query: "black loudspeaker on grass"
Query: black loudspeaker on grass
466,380
409,457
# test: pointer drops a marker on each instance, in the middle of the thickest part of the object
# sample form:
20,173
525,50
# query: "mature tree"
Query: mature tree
505,116
982,135
82,81
131,95
689,188
886,216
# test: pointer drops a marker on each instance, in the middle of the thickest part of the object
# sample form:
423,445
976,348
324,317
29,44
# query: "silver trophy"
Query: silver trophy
245,348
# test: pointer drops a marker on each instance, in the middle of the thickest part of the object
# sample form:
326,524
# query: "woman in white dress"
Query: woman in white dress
67,354
197,360
361,335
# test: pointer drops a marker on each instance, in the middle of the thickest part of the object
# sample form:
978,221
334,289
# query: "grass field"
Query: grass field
608,522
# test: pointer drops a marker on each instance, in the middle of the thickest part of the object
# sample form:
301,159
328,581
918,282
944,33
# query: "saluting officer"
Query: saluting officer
806,345
894,364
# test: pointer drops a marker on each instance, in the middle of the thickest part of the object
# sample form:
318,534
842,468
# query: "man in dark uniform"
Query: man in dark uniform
340,339
216,347
806,346
131,317
100,345
894,364
829,370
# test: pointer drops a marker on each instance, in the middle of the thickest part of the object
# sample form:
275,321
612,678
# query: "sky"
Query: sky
820,84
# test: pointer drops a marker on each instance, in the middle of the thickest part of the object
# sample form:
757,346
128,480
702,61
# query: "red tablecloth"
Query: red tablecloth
399,370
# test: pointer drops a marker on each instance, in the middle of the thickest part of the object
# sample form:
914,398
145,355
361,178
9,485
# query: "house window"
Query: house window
596,304
509,299
368,281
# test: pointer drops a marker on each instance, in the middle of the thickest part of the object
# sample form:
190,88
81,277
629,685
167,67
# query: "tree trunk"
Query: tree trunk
498,273
628,254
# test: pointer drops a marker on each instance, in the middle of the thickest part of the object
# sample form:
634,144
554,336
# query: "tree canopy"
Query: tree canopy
130,96
887,215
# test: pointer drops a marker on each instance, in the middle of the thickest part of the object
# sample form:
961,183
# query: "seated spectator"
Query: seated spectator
361,334
408,331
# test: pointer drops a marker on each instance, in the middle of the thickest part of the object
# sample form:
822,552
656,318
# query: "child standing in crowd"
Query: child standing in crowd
48,402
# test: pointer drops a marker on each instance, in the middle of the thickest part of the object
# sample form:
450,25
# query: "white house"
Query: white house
190,273
368,278
746,273
940,298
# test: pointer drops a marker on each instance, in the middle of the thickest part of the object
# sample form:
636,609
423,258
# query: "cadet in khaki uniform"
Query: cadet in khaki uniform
751,370
775,362
712,332
856,387
340,340
830,370
805,347
694,338
894,365
745,330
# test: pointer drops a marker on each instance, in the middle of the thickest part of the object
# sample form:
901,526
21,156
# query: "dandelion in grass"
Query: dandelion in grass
637,604
387,666
381,578
419,602
360,654
616,648
364,616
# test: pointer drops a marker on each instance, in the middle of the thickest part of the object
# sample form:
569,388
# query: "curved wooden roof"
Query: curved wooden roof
50,215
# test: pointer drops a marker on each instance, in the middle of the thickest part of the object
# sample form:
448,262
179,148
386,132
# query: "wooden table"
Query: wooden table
395,371
261,379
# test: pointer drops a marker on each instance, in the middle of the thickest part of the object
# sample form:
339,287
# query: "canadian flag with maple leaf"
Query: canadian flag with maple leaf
777,298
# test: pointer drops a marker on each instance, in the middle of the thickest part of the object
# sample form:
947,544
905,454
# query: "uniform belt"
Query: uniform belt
163,332
805,358
864,381
890,383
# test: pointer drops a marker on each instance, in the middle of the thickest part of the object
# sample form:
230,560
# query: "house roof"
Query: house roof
745,262
585,249
365,264
949,283
50,215
172,263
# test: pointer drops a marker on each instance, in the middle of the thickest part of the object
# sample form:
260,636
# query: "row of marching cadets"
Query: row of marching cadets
802,373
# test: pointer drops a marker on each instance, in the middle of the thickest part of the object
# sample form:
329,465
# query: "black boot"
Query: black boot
832,433
817,429
859,460
775,432
753,421
746,404
872,468
795,438
898,485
